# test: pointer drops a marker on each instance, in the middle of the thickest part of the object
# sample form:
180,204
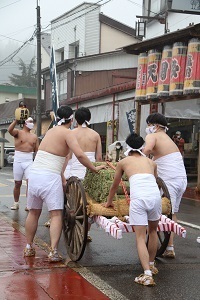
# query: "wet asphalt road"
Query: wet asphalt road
112,265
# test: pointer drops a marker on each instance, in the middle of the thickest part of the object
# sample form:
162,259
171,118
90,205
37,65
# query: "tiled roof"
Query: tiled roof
18,90
7,110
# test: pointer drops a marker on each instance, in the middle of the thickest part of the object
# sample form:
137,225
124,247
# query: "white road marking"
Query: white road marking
100,284
8,196
189,224
23,181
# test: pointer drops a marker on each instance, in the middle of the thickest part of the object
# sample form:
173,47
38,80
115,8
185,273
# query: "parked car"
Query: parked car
10,158
7,151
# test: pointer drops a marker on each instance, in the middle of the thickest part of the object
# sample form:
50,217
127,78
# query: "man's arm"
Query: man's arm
114,186
36,145
150,142
99,150
12,130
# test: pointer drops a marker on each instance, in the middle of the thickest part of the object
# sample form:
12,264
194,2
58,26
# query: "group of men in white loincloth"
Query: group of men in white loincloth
78,148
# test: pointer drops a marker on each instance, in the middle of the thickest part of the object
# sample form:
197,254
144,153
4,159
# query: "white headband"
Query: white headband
129,149
63,120
85,124
165,127
29,119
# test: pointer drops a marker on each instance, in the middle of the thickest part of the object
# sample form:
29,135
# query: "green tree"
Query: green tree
27,77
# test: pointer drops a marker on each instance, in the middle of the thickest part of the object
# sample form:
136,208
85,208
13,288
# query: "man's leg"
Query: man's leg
16,191
32,224
153,239
169,252
31,228
55,233
16,194
26,209
143,254
171,240
55,227
146,278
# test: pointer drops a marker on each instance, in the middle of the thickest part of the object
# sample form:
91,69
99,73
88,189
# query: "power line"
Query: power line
85,13
10,57
10,4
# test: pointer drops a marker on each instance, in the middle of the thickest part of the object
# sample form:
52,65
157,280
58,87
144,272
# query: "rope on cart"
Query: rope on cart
121,183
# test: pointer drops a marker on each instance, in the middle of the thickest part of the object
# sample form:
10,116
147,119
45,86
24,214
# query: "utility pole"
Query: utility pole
38,106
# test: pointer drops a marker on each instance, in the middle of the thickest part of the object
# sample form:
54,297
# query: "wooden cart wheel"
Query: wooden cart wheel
163,237
75,220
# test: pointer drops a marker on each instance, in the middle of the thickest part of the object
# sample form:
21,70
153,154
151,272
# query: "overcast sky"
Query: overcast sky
18,20
18,17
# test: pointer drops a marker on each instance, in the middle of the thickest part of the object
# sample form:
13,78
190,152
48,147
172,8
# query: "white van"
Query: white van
8,154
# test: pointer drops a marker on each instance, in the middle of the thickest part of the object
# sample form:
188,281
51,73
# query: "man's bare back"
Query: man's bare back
136,164
159,144
89,141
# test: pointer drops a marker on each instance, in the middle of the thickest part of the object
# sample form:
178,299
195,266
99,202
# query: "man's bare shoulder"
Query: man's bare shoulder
151,137
94,132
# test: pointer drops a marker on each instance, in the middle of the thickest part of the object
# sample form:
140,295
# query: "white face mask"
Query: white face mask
29,125
150,129
118,147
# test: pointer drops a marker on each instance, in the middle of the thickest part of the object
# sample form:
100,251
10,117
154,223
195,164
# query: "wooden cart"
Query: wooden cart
75,219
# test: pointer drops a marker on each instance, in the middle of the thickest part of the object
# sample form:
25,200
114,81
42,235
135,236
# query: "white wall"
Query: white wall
11,96
86,33
112,39
175,21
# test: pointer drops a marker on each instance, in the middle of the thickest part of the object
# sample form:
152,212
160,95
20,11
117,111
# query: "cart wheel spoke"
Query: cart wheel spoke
75,223
79,210
78,201
80,217
79,225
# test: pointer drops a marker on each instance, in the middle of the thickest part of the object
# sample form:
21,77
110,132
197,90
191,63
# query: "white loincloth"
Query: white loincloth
145,204
45,187
77,169
48,161
171,166
172,170
23,156
21,165
67,170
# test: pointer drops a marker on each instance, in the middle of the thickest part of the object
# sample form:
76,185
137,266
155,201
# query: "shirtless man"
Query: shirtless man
169,163
26,144
145,204
90,142
45,182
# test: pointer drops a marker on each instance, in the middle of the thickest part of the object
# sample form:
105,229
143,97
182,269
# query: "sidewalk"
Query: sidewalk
34,277
191,194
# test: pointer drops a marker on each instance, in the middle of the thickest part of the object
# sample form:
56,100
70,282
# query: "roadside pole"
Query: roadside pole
38,106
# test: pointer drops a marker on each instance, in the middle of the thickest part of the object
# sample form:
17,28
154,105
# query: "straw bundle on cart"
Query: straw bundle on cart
97,188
